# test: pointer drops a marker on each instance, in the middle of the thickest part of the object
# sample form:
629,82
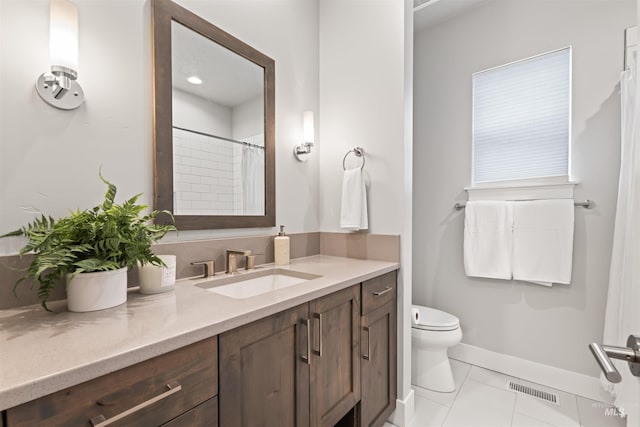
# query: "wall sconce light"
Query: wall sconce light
303,151
59,87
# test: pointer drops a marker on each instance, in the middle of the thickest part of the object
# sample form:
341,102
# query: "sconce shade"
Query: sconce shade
307,127
63,34
303,151
59,87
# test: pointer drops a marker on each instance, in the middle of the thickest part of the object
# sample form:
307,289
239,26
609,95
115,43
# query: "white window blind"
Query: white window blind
521,119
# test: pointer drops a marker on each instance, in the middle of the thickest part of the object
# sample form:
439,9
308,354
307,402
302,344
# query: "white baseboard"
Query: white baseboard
561,379
404,410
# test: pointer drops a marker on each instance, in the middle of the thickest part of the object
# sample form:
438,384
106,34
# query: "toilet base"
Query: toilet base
431,370
430,367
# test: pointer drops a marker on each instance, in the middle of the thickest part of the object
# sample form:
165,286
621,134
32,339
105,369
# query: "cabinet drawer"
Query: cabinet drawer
378,291
203,415
147,394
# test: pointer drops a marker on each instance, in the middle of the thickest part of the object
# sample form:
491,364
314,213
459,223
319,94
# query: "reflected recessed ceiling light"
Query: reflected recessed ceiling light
194,80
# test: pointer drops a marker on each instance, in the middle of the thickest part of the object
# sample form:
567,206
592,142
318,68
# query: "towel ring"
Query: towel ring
358,152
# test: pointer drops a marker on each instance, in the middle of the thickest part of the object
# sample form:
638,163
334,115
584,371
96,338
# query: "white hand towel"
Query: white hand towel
488,226
353,215
543,241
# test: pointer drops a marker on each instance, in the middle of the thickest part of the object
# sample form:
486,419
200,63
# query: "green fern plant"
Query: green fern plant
107,237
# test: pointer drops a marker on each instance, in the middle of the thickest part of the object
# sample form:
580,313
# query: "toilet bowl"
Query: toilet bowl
431,336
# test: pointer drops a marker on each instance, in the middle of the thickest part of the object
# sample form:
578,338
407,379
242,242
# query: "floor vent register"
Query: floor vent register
533,392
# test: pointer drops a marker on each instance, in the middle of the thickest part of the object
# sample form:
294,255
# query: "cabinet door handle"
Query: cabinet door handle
384,291
307,357
319,350
367,355
100,421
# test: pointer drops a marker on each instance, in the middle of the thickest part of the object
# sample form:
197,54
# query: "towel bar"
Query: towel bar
587,204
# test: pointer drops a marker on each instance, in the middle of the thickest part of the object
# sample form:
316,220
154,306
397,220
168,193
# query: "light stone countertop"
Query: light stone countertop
41,352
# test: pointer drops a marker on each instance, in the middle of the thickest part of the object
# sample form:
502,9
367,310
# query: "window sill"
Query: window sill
546,188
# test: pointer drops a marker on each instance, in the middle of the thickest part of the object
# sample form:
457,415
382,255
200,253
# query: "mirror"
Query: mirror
214,111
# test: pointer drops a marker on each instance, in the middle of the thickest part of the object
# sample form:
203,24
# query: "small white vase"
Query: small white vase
97,291
155,279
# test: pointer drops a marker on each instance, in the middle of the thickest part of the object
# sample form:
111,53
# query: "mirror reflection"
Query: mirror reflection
218,128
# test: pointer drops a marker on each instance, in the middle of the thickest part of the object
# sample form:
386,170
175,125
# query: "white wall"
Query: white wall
50,158
362,102
361,86
196,113
547,325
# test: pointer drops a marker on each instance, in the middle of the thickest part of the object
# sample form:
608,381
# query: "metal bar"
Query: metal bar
319,350
307,358
367,356
100,421
587,204
382,292
235,141
609,371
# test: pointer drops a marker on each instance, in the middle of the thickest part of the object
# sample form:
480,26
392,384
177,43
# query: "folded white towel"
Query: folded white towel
353,215
488,226
543,241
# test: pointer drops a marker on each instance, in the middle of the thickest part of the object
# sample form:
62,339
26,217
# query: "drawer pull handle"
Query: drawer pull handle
306,358
367,355
319,350
384,291
100,421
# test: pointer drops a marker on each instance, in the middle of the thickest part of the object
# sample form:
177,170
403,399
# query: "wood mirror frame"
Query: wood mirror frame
163,13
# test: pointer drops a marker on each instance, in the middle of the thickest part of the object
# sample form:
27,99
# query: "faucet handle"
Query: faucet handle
209,267
232,263
250,262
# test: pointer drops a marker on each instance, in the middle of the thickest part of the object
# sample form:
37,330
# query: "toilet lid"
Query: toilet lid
436,320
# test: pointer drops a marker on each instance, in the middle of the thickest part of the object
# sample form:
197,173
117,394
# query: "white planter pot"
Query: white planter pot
97,291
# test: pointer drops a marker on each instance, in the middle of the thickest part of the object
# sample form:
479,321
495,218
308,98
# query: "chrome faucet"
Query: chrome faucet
232,261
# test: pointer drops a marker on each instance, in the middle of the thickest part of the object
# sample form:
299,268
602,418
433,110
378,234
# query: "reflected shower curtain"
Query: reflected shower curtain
622,316
253,180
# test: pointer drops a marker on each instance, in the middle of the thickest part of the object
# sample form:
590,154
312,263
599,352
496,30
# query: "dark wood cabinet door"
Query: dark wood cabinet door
335,360
264,379
378,342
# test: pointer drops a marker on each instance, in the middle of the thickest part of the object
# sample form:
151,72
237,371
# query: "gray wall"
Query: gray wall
547,325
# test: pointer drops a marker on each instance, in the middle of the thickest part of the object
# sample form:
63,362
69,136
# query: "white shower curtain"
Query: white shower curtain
622,316
253,180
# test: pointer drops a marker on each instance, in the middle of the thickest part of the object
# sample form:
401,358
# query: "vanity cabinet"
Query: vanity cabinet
378,350
264,372
335,356
300,367
330,360
150,393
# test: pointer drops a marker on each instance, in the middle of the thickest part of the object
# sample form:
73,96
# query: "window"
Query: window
521,119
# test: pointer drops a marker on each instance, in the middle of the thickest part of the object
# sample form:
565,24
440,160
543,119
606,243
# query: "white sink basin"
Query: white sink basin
247,285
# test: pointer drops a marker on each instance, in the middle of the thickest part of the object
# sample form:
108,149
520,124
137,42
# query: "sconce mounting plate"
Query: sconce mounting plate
72,99
302,151
301,156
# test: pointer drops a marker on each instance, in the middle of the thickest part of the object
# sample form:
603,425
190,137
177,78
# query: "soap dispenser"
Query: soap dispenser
281,247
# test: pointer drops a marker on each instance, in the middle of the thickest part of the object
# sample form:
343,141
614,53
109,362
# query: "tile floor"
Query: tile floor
481,399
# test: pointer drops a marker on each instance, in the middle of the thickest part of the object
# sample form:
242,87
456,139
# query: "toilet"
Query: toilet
432,334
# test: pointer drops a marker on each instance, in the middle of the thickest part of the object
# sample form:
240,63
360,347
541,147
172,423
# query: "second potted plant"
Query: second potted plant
92,249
